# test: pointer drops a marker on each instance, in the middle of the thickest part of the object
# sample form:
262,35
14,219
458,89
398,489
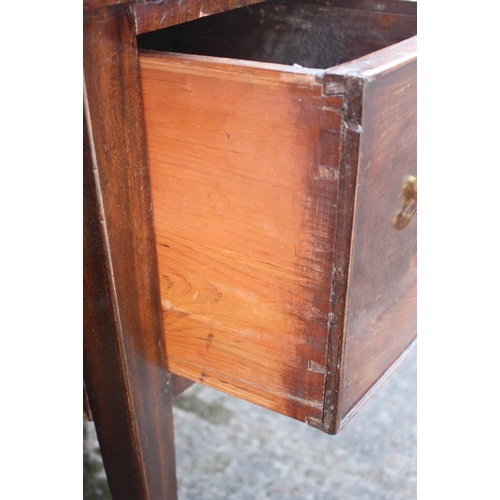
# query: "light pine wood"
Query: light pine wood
242,159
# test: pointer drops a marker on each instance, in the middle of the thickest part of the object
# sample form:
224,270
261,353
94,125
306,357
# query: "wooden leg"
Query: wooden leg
128,386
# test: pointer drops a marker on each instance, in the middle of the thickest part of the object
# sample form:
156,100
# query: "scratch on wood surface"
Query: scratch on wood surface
335,131
106,20
314,422
315,367
329,108
325,172
215,375
162,20
365,170
334,88
208,343
209,340
167,305
354,126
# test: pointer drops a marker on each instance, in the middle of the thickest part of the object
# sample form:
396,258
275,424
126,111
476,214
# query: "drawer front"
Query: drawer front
380,325
274,188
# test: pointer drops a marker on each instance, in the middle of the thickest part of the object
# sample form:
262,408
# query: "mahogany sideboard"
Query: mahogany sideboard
249,213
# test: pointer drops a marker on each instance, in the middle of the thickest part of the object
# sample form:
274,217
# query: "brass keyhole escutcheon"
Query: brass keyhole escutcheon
409,208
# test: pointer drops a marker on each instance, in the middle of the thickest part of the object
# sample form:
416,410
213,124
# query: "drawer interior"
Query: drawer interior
310,33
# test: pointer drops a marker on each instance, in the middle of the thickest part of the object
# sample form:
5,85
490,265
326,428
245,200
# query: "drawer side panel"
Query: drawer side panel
243,172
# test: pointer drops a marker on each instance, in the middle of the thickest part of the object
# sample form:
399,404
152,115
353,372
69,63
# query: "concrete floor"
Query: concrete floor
229,449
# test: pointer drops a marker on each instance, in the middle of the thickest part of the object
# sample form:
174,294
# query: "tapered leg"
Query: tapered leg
128,386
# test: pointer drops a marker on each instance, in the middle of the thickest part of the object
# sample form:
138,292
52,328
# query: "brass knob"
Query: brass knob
409,208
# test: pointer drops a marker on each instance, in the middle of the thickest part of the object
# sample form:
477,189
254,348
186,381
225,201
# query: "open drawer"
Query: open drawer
281,138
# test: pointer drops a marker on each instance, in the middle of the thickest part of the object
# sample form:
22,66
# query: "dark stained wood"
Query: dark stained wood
87,412
351,90
408,7
313,34
162,13
382,290
98,4
361,402
179,385
125,369
380,325
153,15
382,61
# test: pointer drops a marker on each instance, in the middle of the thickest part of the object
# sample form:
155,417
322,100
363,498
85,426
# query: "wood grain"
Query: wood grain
99,4
380,322
382,290
407,7
155,15
243,233
352,93
276,284
124,351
